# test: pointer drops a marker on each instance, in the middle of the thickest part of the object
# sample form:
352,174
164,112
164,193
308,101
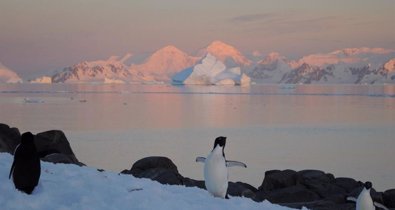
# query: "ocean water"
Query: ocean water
346,130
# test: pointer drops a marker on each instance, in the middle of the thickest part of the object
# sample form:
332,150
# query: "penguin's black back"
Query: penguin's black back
26,168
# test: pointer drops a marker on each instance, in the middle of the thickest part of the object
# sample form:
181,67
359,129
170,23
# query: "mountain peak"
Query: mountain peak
271,57
169,48
8,76
390,65
223,51
164,63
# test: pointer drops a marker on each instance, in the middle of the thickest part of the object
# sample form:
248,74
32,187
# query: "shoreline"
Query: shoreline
309,188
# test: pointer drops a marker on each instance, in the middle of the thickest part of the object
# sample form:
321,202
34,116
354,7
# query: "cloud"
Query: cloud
287,22
252,17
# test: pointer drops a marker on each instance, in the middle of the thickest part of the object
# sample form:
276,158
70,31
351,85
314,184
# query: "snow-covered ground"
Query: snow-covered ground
72,187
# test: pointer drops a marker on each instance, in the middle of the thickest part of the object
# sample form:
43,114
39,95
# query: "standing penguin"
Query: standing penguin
215,169
26,168
365,201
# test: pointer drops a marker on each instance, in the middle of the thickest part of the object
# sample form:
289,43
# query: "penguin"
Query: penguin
215,169
26,168
365,201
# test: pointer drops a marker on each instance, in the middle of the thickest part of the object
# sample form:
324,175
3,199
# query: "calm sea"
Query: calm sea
347,130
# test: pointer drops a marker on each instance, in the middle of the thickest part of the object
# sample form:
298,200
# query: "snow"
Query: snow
225,52
42,80
271,69
113,81
390,65
95,71
8,76
63,186
163,64
210,71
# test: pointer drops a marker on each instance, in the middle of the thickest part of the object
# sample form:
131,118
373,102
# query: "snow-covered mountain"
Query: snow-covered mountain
163,64
8,76
220,63
271,69
225,53
112,70
211,71
347,66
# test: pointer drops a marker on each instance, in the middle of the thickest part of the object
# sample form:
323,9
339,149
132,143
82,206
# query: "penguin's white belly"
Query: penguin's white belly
365,202
216,176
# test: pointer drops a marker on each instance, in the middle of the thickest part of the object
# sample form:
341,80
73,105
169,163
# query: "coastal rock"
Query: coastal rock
307,177
53,145
276,179
389,198
347,184
9,138
321,205
151,163
157,168
60,158
294,194
241,189
188,182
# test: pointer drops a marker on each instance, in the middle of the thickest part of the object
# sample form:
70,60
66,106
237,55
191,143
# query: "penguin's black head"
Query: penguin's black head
368,185
221,141
27,138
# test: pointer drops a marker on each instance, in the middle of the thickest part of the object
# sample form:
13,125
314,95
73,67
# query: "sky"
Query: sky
41,36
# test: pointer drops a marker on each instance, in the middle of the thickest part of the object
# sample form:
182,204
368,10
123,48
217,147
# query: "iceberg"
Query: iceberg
211,71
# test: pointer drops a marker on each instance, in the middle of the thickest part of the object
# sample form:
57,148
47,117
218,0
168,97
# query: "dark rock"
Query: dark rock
151,163
293,194
389,198
60,158
188,182
347,184
321,205
276,179
163,176
313,176
326,190
241,189
160,169
55,144
9,138
126,171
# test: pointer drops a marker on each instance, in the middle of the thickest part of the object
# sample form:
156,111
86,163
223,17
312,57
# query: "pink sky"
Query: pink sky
44,35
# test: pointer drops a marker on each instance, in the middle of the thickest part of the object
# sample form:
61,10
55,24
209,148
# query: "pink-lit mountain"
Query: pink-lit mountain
8,76
221,63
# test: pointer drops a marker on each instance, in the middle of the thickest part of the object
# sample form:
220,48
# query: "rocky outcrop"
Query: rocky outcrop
9,138
52,146
313,189
160,169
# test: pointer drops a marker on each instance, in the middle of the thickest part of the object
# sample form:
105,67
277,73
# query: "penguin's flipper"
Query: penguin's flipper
201,159
230,163
349,198
11,170
379,205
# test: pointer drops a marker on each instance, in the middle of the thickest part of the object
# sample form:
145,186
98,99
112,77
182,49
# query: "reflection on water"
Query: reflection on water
346,130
